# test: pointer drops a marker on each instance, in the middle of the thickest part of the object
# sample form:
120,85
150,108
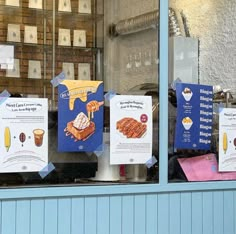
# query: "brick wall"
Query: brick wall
43,50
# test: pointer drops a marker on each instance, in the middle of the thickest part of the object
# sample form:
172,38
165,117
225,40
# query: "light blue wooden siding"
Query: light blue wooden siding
50,216
22,216
207,212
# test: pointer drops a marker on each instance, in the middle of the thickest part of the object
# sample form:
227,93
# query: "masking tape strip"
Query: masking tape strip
58,79
173,84
46,170
4,96
151,162
100,150
109,95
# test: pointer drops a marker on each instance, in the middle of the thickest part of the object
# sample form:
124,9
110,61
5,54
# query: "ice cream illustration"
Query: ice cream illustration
81,128
187,93
187,123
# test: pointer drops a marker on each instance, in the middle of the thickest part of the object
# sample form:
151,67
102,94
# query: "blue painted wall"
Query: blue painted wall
199,212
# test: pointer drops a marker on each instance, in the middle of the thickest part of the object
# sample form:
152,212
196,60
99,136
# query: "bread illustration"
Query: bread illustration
131,128
81,128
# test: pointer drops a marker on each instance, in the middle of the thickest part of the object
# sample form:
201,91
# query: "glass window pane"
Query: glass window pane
201,77
93,40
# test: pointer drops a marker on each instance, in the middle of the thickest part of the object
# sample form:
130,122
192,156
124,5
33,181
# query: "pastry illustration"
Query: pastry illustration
187,93
187,123
81,128
92,107
131,128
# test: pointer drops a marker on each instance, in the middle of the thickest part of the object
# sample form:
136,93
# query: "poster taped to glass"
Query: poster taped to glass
24,130
131,129
80,115
227,139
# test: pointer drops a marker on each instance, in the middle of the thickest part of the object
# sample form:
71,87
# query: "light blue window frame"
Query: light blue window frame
163,185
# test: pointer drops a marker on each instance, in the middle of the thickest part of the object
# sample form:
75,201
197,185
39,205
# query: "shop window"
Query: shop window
46,49
202,91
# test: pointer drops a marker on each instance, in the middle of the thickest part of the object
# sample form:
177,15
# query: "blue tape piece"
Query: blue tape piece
100,150
217,108
221,107
151,162
46,170
109,95
213,168
4,96
173,84
58,79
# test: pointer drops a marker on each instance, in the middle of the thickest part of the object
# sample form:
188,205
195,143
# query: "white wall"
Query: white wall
214,23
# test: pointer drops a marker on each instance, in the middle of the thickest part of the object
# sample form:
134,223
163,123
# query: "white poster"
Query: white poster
84,71
227,139
13,32
12,3
79,38
64,37
130,129
64,5
31,35
68,68
85,6
34,69
24,130
15,71
37,4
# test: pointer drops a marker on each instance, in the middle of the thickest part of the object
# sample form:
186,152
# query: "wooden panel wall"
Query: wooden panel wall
165,213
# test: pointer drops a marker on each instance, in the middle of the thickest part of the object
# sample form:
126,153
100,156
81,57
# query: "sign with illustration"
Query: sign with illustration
24,128
80,115
227,139
130,129
194,116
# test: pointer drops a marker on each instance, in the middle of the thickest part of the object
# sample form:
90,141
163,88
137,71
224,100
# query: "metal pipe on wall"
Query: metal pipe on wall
147,21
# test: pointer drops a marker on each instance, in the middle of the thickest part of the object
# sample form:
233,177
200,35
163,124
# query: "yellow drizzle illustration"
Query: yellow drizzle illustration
77,89
7,138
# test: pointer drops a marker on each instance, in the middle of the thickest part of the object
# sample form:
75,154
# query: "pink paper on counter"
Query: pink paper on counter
204,168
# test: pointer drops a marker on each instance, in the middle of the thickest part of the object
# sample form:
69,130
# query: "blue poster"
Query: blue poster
194,116
80,115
